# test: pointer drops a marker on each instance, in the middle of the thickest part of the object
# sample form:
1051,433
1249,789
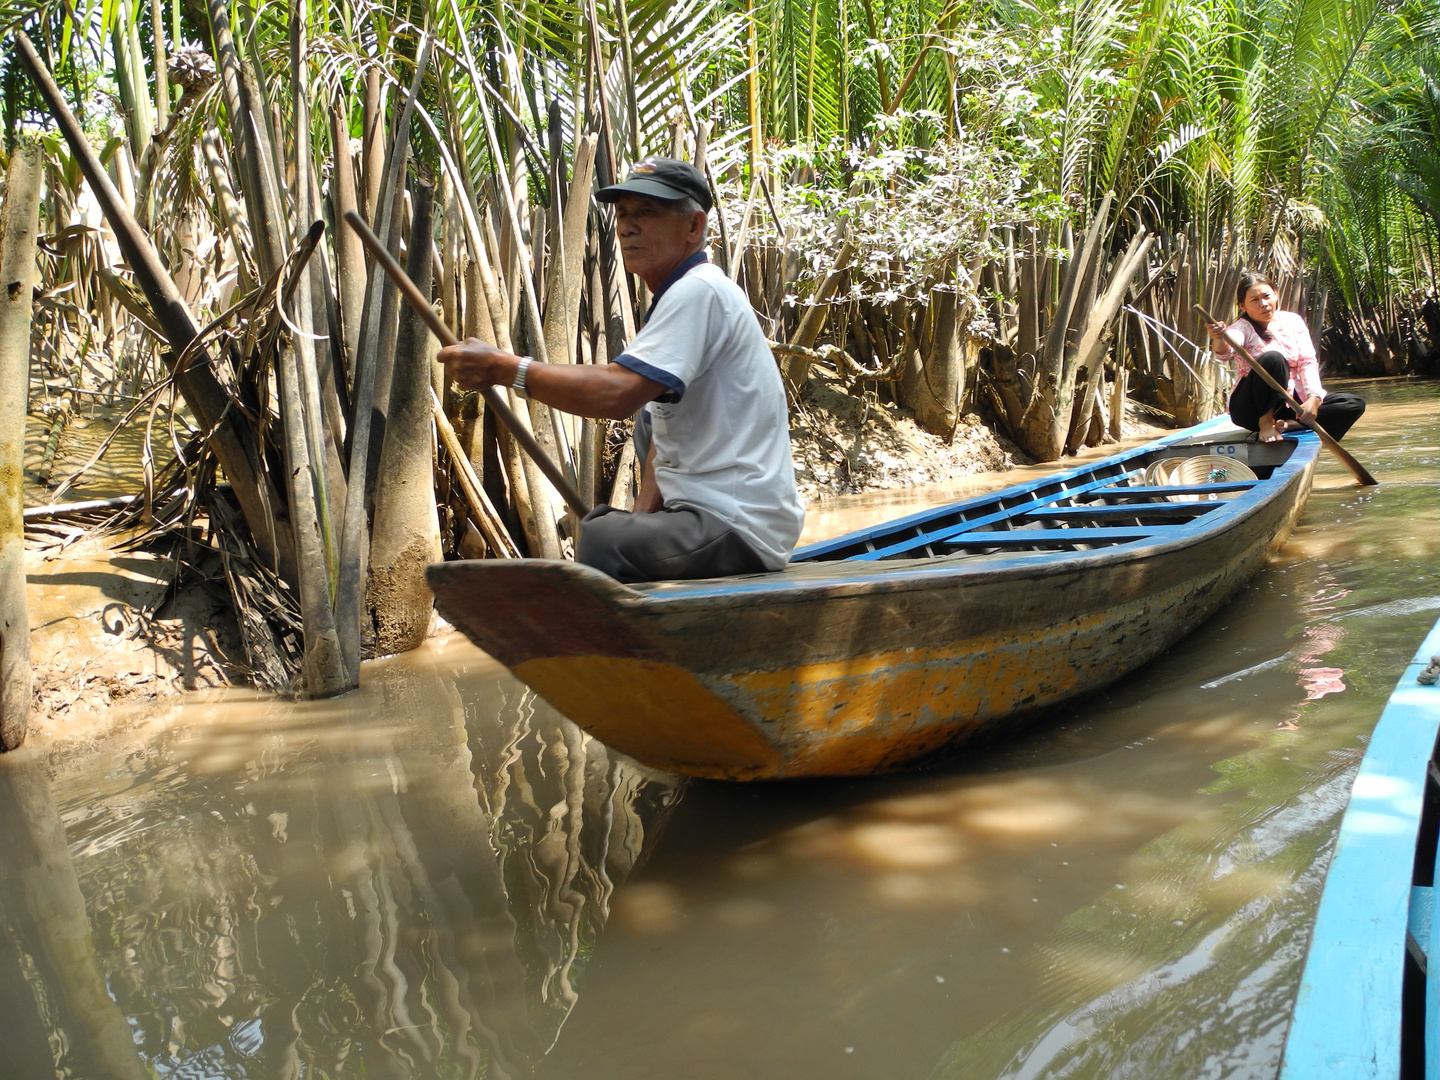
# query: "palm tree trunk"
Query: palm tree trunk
497,304
377,321
162,77
543,515
1046,422
1119,389
567,286
933,383
258,179
349,251
372,144
567,278
19,224
406,537
308,449
324,668
230,212
1090,353
806,334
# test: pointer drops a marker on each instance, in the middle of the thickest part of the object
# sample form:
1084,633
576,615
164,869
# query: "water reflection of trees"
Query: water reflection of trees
410,893
52,992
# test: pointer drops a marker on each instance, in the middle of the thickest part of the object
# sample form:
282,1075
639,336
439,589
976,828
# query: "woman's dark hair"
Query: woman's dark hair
1248,280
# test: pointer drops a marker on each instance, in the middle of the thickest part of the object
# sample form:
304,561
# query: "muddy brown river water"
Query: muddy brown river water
438,877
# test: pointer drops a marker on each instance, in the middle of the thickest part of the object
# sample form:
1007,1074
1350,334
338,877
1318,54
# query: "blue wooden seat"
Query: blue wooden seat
1099,512
1022,538
942,535
1147,493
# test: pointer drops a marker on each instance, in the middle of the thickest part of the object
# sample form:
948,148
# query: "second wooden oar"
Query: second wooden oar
1330,442
422,307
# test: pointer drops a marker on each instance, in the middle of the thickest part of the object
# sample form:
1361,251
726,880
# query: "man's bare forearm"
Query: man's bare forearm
602,391
608,391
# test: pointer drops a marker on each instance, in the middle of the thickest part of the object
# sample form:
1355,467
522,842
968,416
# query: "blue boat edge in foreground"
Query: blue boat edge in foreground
1359,1012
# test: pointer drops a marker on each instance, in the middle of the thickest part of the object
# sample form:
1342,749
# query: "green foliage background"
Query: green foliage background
1303,118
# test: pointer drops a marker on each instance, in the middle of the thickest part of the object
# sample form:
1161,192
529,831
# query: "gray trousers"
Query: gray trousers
671,544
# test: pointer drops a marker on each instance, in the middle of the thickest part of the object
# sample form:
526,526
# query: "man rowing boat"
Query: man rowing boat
717,494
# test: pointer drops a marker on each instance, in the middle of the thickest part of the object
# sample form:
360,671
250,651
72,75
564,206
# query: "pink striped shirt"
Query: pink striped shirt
1289,337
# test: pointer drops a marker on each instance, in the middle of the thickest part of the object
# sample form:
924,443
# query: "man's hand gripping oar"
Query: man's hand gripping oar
1357,470
422,307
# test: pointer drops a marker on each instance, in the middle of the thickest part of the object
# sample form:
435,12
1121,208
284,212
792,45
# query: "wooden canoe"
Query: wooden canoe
887,645
1369,1001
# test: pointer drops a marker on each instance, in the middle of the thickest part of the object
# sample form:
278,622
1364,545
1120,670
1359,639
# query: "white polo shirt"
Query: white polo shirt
722,433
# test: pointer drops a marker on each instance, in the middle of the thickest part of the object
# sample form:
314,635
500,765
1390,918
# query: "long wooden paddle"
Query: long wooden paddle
422,307
1357,470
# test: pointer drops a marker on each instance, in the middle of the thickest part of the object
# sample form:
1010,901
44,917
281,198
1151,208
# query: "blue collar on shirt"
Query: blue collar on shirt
680,271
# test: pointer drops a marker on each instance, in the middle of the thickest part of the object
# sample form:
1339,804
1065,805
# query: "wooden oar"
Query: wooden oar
1357,470
422,307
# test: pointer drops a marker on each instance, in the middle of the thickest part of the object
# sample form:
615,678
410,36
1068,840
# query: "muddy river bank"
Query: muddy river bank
437,876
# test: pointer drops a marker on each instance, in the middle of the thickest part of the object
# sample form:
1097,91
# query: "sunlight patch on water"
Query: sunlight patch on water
650,908
905,845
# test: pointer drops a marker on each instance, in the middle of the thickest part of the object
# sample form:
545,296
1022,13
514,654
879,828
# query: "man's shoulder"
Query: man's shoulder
705,279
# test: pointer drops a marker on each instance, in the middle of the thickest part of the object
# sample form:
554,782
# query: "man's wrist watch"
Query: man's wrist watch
524,369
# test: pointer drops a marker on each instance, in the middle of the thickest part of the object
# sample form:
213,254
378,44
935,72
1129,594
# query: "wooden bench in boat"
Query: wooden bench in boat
1144,493
978,532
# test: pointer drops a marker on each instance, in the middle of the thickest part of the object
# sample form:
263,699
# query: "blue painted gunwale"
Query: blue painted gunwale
1107,471
1348,1014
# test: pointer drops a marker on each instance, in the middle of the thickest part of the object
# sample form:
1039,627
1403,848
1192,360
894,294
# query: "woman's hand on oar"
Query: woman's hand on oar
421,304
1356,469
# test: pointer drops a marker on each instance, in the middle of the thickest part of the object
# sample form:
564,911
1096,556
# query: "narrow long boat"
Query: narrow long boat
1369,1001
884,646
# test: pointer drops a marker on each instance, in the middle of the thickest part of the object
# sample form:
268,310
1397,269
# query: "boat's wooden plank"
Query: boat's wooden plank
1105,487
1103,511
1023,538
1347,1014
1198,439
1142,493
1042,507
943,535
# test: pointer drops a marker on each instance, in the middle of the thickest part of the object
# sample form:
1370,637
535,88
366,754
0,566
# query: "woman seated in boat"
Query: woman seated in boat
1280,343
717,495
